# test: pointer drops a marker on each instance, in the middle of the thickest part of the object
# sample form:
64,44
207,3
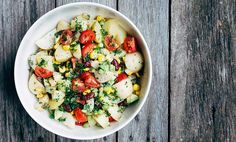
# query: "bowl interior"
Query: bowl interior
27,47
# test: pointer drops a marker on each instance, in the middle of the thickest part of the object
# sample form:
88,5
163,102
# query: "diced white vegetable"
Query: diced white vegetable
134,61
105,51
81,21
91,121
58,114
40,55
97,28
62,25
57,76
62,55
38,106
95,64
102,120
124,88
52,82
47,41
44,99
32,61
132,98
113,28
69,120
114,111
55,104
58,95
90,102
48,62
35,86
107,76
77,52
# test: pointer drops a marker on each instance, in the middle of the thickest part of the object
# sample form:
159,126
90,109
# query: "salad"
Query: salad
86,72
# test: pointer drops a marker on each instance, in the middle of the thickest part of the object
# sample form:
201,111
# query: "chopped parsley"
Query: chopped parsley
43,63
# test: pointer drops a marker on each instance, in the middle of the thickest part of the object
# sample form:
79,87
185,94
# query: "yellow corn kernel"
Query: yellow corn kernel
123,58
56,62
130,73
136,87
99,18
109,90
40,95
62,69
137,74
119,71
101,57
86,69
39,90
137,92
86,91
72,112
91,55
67,74
118,60
66,47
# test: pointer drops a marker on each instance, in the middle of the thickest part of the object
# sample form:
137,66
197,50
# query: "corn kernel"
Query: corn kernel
86,91
119,71
66,47
130,73
99,18
118,60
137,74
101,57
91,55
109,90
62,69
123,58
56,62
67,74
137,92
40,95
86,69
39,90
72,112
136,87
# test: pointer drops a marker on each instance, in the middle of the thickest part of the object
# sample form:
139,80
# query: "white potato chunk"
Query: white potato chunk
134,61
62,25
124,88
95,64
97,28
113,28
107,76
47,62
114,112
57,76
77,53
44,99
62,55
102,120
47,41
35,86
58,95
53,104
69,120
40,55
58,114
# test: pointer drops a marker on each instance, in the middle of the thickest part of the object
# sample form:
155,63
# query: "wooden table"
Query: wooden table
193,47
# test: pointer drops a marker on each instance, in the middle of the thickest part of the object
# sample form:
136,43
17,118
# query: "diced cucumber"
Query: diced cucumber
132,98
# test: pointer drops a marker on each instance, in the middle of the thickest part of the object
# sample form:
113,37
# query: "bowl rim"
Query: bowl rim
148,58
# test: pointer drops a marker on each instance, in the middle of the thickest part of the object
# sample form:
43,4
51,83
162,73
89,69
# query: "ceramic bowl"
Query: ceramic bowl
28,47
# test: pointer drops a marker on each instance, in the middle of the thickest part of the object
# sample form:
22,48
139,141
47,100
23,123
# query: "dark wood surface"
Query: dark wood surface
193,48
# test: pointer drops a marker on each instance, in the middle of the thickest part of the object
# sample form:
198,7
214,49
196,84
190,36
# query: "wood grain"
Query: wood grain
16,17
111,3
152,18
203,70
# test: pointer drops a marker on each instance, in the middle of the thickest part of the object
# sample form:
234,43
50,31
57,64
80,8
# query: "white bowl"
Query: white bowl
27,47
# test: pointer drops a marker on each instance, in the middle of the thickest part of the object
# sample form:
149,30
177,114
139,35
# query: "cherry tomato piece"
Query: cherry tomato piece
41,72
80,116
78,85
87,49
111,119
87,36
110,43
89,80
130,45
120,77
